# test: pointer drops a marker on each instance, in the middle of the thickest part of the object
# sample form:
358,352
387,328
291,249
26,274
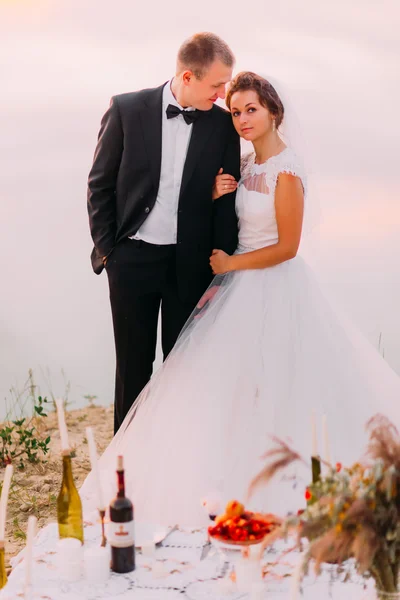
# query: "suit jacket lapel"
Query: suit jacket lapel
202,129
151,120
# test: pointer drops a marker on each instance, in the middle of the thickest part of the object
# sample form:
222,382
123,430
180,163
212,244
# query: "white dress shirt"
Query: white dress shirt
161,225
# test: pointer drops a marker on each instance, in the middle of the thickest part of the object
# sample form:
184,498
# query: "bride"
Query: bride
261,352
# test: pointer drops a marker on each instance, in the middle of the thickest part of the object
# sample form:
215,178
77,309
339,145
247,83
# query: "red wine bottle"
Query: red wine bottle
121,528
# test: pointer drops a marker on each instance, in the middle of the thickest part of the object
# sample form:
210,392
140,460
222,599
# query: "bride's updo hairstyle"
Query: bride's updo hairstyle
267,95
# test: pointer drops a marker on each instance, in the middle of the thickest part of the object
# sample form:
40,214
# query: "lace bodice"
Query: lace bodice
255,198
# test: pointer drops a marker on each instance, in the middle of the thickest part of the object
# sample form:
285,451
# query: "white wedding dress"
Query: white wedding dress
262,355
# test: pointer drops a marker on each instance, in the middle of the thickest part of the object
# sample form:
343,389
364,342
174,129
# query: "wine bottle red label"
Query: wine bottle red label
121,535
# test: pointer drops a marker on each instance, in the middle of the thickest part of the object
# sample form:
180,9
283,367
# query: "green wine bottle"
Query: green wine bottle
3,574
69,506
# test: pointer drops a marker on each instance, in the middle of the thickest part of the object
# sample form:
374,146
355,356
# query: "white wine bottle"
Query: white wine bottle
3,573
69,505
121,528
5,489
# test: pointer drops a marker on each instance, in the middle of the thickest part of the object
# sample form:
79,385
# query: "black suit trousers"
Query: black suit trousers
142,278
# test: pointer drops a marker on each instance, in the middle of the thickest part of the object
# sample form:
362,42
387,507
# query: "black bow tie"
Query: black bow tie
190,116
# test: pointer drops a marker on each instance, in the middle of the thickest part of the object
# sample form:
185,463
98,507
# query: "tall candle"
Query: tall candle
4,499
297,577
30,536
62,425
314,448
325,436
95,468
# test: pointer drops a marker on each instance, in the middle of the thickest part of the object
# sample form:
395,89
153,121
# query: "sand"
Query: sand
35,489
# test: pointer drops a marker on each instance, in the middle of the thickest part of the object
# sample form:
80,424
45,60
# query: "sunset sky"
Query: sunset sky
60,62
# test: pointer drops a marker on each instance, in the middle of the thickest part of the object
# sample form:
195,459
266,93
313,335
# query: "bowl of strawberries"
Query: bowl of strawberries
240,527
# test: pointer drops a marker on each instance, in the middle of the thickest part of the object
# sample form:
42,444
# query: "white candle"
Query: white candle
297,577
62,426
314,449
30,536
4,499
248,572
69,559
325,436
95,467
96,562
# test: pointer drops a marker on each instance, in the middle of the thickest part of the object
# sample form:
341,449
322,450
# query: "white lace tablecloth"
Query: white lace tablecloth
180,575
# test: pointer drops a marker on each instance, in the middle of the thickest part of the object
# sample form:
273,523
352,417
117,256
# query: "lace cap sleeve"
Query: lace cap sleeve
289,162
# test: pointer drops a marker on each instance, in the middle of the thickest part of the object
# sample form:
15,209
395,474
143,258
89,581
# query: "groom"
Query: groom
152,218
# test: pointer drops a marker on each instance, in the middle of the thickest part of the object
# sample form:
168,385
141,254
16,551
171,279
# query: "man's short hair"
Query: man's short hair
200,51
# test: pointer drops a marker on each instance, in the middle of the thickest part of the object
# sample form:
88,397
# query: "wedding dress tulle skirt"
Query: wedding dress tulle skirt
265,353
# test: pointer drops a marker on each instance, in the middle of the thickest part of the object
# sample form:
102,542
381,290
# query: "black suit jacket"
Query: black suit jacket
124,180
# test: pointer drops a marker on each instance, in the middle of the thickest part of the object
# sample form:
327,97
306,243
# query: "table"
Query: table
181,575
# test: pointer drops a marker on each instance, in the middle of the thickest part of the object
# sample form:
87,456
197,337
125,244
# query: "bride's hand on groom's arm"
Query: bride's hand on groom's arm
223,184
221,262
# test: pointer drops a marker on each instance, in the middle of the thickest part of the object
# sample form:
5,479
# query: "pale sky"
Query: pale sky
60,62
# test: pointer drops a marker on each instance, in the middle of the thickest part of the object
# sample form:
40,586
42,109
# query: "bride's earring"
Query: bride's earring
273,125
